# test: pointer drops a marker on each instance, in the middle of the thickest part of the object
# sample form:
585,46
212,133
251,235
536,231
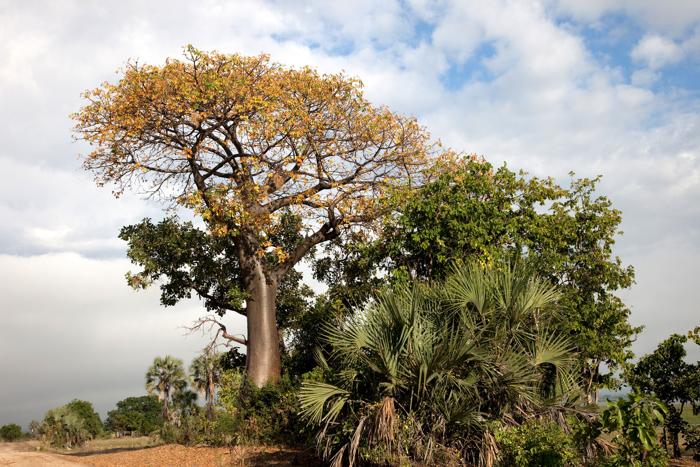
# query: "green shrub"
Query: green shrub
633,421
86,412
10,432
140,415
535,444
259,415
70,425
428,368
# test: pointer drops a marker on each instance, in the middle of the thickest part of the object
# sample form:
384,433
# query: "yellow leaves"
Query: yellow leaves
286,128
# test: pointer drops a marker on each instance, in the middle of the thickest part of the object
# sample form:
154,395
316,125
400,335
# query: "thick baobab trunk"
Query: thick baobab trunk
263,359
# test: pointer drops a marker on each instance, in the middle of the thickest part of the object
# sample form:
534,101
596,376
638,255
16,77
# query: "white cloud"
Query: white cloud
657,51
672,17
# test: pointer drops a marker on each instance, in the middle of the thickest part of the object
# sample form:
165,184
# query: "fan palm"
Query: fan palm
205,375
424,368
164,378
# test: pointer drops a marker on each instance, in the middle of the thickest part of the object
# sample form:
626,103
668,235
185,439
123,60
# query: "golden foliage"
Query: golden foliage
239,138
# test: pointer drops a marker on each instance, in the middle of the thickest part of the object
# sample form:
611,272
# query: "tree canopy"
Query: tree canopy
468,210
243,141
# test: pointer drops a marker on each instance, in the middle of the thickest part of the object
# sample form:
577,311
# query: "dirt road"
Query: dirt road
25,455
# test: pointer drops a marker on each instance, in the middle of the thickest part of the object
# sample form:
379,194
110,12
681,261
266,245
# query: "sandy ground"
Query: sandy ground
25,454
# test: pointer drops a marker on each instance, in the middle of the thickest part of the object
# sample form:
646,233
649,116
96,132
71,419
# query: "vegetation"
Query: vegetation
10,432
667,375
242,141
470,312
166,378
424,371
205,374
633,422
70,425
471,211
136,416
535,444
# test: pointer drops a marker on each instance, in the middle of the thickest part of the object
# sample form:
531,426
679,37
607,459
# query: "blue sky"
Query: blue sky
607,87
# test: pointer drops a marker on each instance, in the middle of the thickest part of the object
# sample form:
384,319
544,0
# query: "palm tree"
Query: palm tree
425,368
205,374
164,378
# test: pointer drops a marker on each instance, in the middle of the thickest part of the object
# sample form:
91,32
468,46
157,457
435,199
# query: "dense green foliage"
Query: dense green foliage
535,444
667,375
409,359
70,425
260,415
469,211
422,372
136,415
10,432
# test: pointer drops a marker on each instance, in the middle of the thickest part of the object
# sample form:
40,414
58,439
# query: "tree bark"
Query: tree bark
263,353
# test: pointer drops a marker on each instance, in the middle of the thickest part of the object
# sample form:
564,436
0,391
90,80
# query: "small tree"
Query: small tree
470,210
164,378
10,432
142,415
666,374
70,425
633,422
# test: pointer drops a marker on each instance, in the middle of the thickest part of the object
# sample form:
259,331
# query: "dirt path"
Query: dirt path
25,455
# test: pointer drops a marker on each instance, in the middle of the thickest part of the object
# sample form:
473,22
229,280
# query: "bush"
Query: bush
259,415
633,421
70,425
11,432
428,368
86,412
139,415
535,444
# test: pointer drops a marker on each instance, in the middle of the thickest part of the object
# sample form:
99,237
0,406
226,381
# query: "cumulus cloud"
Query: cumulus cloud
657,51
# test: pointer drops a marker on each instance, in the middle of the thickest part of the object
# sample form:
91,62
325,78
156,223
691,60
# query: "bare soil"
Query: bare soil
132,452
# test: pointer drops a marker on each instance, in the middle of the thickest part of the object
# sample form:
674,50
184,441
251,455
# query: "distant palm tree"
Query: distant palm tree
205,374
164,378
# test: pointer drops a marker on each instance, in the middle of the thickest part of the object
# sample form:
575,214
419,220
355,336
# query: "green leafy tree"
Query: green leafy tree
86,412
667,375
471,211
205,375
165,378
142,415
10,432
424,370
632,421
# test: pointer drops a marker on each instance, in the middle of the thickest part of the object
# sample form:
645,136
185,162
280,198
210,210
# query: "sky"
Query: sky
595,87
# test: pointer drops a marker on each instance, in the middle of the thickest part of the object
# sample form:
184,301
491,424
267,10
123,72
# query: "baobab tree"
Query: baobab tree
243,141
